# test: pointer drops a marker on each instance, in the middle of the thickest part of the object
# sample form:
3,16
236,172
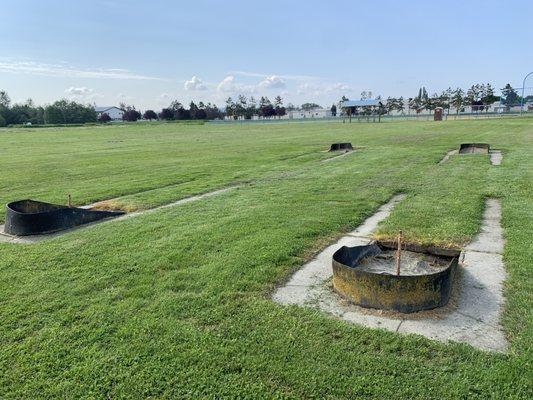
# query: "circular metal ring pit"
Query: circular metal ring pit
361,274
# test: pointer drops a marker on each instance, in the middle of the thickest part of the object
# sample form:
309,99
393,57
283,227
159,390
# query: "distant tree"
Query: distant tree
131,115
193,110
333,110
166,114
400,105
280,110
488,96
290,107
473,94
241,106
457,99
2,121
213,112
416,104
390,104
252,108
366,95
180,113
104,117
309,106
69,112
201,112
230,108
266,109
5,101
510,96
150,115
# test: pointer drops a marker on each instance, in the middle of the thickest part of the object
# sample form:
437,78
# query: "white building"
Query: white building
314,113
114,112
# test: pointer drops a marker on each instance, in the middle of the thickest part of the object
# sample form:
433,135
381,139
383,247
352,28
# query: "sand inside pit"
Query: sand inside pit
411,263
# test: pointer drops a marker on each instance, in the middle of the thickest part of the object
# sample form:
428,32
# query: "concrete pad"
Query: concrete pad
448,155
346,153
472,318
370,224
496,157
490,239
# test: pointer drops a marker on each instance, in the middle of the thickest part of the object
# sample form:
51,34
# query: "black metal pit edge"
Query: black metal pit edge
478,148
404,293
31,217
341,146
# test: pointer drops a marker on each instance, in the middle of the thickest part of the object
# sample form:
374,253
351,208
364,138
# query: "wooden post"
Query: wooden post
399,254
69,200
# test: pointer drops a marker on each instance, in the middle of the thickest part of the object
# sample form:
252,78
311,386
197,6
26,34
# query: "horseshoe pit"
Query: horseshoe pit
406,280
474,148
31,217
341,147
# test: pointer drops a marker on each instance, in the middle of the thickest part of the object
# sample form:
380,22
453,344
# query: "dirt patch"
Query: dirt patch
113,205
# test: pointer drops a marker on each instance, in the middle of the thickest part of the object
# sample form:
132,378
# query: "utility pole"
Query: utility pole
522,98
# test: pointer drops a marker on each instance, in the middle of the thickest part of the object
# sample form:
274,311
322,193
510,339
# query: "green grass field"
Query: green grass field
176,303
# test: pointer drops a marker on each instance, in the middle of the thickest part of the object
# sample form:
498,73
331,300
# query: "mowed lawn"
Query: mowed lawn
176,303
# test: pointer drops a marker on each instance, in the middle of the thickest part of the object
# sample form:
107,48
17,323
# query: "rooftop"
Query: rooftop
360,103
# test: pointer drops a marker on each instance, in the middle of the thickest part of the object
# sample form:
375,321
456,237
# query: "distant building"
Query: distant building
313,113
114,112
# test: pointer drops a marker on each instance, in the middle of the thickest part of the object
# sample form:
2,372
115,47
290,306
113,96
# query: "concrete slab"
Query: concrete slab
448,155
496,157
472,316
490,239
5,238
346,153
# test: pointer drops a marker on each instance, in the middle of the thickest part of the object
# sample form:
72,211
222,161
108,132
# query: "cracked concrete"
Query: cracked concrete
472,316
5,238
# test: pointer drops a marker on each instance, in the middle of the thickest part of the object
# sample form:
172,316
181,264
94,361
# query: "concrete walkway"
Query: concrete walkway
448,155
5,238
496,156
471,317
346,153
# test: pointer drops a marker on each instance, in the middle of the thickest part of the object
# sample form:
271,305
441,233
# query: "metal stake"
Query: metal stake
69,200
399,254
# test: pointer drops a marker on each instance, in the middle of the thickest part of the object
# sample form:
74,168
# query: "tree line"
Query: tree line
244,108
60,112
478,96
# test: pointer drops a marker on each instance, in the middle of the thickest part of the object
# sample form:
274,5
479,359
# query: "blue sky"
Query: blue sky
150,52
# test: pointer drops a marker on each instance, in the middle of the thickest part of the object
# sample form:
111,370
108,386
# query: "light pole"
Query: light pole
523,87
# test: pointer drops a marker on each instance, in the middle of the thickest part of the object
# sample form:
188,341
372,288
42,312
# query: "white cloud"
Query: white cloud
272,82
195,84
227,84
78,91
318,89
339,87
125,98
64,70
286,77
